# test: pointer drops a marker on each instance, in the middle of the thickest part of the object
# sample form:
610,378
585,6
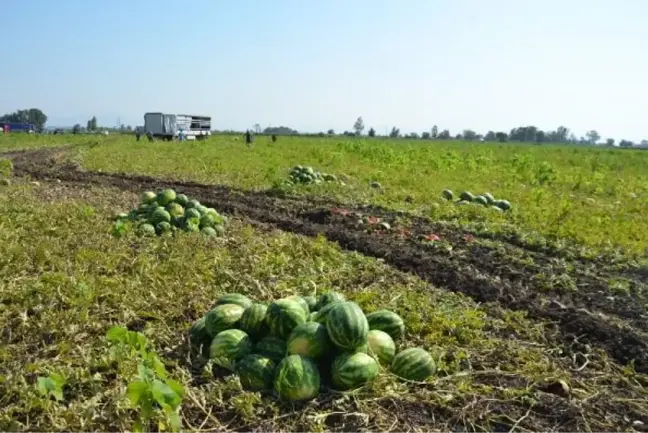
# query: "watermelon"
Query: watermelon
480,199
413,364
283,316
209,232
347,325
271,347
234,298
256,372
163,227
165,197
146,229
313,316
199,338
253,321
207,220
301,301
193,203
352,370
502,204
160,215
447,194
495,208
182,200
467,196
222,317
191,213
328,298
297,378
147,197
311,301
309,339
387,321
229,346
489,197
175,210
322,314
381,346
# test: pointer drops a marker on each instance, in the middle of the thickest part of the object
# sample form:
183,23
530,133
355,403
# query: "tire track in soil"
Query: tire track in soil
474,269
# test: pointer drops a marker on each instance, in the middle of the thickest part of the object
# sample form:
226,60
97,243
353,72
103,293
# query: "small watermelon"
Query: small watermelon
480,199
234,298
175,210
182,200
447,194
192,213
229,346
253,321
489,197
502,204
309,339
283,316
207,220
301,301
352,370
381,346
146,229
256,372
328,298
192,204
297,378
165,197
163,228
347,325
413,364
222,317
160,215
311,301
467,196
147,197
387,321
271,347
199,338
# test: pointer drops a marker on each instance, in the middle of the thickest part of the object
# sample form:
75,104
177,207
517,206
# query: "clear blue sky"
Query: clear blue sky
314,65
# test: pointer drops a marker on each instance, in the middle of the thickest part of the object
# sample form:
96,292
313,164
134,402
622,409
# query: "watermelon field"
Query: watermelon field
321,284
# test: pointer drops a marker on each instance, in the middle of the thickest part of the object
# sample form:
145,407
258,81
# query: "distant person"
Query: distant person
248,138
138,134
149,135
274,138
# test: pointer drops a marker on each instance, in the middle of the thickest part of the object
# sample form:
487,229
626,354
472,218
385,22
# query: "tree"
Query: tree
609,142
469,134
372,132
92,124
33,115
626,143
490,136
540,136
257,128
76,129
358,126
425,135
593,136
458,136
435,132
331,132
395,132
444,135
501,136
413,135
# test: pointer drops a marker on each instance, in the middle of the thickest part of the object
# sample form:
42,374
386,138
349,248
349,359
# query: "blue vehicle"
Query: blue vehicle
17,127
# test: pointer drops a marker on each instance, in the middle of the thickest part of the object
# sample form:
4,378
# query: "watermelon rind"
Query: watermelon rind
222,317
301,301
381,346
256,372
347,325
414,364
309,339
321,315
283,316
353,370
228,347
297,378
387,321
234,298
253,321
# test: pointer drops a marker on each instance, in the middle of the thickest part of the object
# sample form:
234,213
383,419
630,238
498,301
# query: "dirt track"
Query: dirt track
573,293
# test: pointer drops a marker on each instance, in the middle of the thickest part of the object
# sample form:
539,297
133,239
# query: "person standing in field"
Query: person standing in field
138,134
248,138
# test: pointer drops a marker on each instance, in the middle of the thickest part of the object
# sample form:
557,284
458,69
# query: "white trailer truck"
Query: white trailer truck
169,126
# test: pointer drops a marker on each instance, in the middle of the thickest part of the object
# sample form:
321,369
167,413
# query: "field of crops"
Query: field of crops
535,317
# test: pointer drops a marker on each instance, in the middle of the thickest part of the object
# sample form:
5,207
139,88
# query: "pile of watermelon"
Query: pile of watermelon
296,346
306,175
166,212
485,199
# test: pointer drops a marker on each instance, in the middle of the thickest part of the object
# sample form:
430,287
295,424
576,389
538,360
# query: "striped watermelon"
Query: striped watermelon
301,301
253,321
199,338
322,313
234,298
222,317
256,372
311,301
413,364
297,378
387,321
271,347
312,316
381,346
229,346
309,339
347,325
283,316
328,298
352,370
